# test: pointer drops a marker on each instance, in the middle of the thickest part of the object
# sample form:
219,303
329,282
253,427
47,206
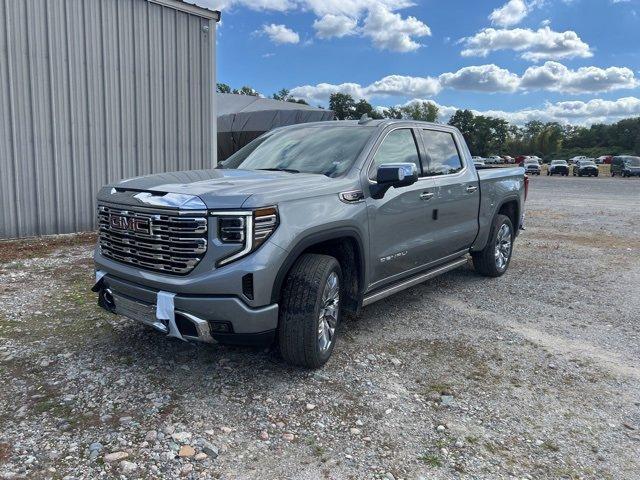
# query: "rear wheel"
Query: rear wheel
494,259
310,311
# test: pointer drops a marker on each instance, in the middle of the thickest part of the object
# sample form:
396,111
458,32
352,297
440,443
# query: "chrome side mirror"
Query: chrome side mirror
395,175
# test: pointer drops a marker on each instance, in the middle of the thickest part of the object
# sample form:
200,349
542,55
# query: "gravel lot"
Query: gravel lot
534,375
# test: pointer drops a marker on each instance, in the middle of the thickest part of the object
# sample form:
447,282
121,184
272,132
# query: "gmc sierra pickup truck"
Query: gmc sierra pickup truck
303,225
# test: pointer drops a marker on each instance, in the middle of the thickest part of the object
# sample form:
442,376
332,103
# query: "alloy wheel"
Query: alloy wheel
503,246
329,312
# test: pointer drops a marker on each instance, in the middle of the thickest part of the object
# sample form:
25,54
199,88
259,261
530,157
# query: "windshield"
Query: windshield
586,163
329,151
558,162
632,161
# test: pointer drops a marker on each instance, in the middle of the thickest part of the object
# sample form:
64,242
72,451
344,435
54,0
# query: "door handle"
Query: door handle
471,189
427,195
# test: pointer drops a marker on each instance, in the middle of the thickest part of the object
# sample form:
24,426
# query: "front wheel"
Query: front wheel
310,311
494,259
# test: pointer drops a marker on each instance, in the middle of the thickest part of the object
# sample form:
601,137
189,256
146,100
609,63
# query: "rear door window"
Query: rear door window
444,158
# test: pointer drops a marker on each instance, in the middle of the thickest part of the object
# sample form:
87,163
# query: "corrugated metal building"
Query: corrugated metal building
93,91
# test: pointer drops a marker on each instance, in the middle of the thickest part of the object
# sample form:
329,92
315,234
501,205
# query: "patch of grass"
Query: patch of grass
431,459
5,452
472,439
11,250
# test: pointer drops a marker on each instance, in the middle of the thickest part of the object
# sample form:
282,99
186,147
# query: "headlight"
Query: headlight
250,229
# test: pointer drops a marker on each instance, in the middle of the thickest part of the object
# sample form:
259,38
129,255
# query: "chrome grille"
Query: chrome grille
172,244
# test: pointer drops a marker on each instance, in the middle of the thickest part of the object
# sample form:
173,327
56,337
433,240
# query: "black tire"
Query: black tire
484,261
613,174
300,308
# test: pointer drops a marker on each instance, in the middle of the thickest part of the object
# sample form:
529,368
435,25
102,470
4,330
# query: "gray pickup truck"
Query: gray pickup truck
304,224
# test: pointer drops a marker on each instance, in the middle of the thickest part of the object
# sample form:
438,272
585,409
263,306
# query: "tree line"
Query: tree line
487,135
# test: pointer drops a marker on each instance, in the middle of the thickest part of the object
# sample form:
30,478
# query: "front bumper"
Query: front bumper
205,318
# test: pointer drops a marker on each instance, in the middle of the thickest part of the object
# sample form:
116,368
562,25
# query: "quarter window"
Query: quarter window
398,147
444,158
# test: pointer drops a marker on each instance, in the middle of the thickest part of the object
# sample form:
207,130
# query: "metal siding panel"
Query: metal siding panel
62,176
93,91
23,119
182,92
77,74
207,91
8,205
141,87
195,93
111,93
156,89
43,179
170,86
128,124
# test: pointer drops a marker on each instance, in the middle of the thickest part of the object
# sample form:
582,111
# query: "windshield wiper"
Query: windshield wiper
290,170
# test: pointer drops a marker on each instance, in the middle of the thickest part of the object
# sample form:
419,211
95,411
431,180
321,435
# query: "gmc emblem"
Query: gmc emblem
131,224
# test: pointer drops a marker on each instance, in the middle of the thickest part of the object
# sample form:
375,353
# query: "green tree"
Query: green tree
362,107
246,91
343,105
424,111
283,95
223,88
392,112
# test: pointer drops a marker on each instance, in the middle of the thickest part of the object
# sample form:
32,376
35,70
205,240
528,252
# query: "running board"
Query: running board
385,292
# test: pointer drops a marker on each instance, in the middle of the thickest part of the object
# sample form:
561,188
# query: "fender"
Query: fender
483,234
314,239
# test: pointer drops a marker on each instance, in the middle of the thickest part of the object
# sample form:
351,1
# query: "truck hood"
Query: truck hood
219,188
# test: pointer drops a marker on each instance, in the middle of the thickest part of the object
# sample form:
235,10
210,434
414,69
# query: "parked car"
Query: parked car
494,159
585,168
532,166
478,161
301,225
558,167
508,159
604,159
576,159
625,166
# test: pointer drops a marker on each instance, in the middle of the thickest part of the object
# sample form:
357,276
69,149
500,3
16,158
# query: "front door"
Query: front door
398,222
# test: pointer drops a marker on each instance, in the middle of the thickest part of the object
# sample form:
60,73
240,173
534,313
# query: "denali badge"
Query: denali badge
131,224
394,256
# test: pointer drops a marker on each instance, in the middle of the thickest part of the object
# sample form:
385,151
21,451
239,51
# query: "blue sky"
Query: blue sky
574,61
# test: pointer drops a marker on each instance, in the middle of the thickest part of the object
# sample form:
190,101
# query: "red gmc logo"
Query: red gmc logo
131,224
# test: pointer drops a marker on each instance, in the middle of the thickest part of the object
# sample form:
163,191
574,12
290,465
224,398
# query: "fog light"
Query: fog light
220,327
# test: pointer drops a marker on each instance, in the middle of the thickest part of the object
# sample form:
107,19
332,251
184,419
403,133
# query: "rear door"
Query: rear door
455,206
399,231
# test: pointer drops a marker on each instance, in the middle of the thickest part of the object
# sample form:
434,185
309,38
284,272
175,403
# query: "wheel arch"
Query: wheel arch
346,245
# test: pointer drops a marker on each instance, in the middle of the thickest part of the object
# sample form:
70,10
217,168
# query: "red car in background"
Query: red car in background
604,159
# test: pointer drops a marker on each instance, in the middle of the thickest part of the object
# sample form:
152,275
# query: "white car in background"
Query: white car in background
478,161
494,159
577,158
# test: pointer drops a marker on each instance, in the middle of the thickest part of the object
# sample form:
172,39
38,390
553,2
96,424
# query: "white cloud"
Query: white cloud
511,13
484,78
334,26
400,85
390,86
280,34
389,31
557,77
551,76
535,45
574,112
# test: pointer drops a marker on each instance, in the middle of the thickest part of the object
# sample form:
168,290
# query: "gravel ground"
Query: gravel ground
533,375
